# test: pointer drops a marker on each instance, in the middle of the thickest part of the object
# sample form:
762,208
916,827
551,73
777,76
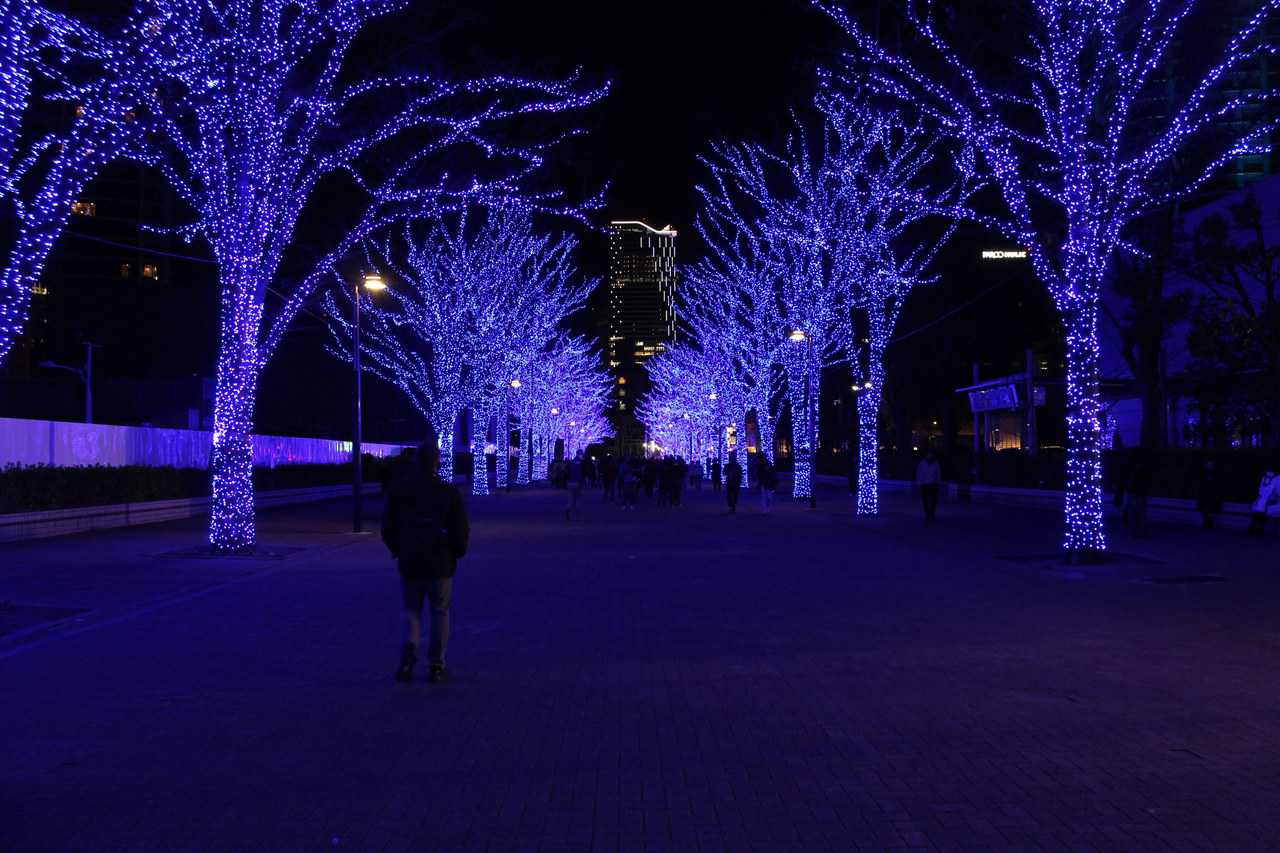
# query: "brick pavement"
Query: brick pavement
648,681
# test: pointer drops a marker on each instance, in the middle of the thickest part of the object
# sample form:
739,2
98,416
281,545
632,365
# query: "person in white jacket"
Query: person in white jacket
1268,503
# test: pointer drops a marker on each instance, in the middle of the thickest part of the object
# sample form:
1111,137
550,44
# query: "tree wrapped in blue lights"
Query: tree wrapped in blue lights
1076,156
901,205
257,110
92,87
692,400
729,303
789,205
469,307
560,384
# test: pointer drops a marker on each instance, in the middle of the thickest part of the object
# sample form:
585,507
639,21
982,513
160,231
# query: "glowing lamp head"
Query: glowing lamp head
554,410
374,282
515,383
712,395
797,336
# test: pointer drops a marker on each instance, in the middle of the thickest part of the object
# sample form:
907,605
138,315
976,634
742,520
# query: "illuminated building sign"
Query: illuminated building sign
1004,254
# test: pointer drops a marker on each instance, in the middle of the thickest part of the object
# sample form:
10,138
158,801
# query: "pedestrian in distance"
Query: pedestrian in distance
695,475
424,526
1267,503
715,475
577,481
768,477
609,476
1208,494
733,481
929,478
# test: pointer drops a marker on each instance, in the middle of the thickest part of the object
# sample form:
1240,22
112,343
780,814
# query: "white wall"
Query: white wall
26,442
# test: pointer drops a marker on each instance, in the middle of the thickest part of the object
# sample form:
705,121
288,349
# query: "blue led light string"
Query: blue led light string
1075,158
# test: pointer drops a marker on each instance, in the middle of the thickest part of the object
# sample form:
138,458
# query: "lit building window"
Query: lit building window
126,270
84,208
38,289
150,271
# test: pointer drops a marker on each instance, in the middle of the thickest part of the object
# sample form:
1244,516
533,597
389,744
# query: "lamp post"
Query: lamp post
86,376
372,282
798,336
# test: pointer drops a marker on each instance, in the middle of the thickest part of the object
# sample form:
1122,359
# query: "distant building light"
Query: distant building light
1004,254
150,271
39,290
126,270
84,208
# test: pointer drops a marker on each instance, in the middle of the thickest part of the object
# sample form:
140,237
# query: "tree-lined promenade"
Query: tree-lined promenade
252,111
658,679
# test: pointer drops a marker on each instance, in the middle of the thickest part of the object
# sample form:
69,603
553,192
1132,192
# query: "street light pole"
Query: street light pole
372,282
812,416
357,457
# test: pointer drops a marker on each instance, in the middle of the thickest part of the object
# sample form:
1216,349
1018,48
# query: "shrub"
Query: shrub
45,487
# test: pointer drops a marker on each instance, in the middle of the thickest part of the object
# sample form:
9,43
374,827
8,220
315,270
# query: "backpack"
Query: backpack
420,532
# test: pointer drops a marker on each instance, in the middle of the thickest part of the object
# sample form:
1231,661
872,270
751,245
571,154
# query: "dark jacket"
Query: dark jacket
422,496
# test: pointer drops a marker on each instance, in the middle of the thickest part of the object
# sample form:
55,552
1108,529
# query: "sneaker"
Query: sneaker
438,674
408,657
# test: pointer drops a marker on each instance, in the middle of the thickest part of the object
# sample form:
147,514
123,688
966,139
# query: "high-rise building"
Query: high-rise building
641,314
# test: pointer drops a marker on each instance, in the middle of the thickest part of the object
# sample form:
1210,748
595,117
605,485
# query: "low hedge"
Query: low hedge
1175,472
44,487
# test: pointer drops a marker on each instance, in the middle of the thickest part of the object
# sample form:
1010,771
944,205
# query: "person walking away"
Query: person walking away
929,478
1208,494
609,477
768,484
425,527
733,481
631,485
1268,503
577,480
715,475
695,475
678,480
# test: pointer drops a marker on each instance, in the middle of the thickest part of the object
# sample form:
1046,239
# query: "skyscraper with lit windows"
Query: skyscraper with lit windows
642,319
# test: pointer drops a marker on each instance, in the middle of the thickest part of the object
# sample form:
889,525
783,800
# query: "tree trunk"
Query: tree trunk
446,453
764,429
801,420
232,525
525,459
1085,529
501,449
479,459
868,502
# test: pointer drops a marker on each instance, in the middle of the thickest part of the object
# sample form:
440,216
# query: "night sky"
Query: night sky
682,75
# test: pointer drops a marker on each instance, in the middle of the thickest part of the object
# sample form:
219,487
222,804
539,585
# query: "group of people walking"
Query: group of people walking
664,480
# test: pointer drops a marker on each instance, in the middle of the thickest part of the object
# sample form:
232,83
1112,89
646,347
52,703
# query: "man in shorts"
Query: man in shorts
425,527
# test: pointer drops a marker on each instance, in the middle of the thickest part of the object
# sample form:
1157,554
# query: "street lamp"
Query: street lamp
798,336
86,376
373,283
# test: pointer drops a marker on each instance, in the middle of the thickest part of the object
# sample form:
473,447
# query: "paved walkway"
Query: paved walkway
653,681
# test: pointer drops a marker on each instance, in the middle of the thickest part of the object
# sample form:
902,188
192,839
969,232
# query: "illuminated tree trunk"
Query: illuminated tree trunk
764,428
501,448
479,459
802,417
869,437
232,526
446,450
525,458
1085,530
540,464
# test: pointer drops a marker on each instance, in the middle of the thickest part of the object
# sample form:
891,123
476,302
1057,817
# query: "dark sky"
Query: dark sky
682,74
